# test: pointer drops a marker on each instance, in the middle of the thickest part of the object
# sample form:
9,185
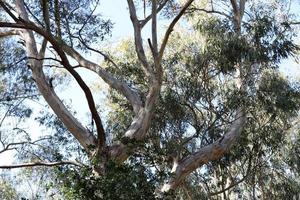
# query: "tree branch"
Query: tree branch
66,64
36,164
120,86
9,33
81,134
10,145
154,29
149,17
237,182
139,42
208,153
209,11
170,28
7,10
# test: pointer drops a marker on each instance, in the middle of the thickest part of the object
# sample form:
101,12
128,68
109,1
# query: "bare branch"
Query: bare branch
242,7
209,11
154,29
139,42
44,58
120,86
57,18
45,8
13,145
9,33
170,28
294,23
45,164
105,56
5,6
149,17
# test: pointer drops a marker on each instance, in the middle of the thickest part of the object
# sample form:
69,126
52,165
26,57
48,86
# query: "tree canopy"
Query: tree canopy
198,109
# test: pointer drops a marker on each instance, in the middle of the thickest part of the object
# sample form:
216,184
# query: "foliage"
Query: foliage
7,191
121,182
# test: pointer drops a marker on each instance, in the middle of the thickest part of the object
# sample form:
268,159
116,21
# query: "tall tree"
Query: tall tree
179,102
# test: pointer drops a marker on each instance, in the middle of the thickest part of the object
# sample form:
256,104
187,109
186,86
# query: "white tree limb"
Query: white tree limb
208,153
80,133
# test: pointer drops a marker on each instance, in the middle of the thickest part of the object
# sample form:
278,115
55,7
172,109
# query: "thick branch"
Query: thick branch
45,8
81,134
208,153
234,6
66,64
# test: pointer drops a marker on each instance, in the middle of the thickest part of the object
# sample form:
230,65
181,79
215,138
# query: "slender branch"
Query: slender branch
10,146
44,58
237,182
120,86
32,14
170,28
9,33
57,18
12,107
294,23
7,10
209,11
154,29
139,42
106,57
149,17
45,164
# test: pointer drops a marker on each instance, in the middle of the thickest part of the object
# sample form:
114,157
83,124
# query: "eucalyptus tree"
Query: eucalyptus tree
178,102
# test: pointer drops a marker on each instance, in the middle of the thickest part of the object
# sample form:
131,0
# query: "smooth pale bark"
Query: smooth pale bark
85,138
113,82
208,153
